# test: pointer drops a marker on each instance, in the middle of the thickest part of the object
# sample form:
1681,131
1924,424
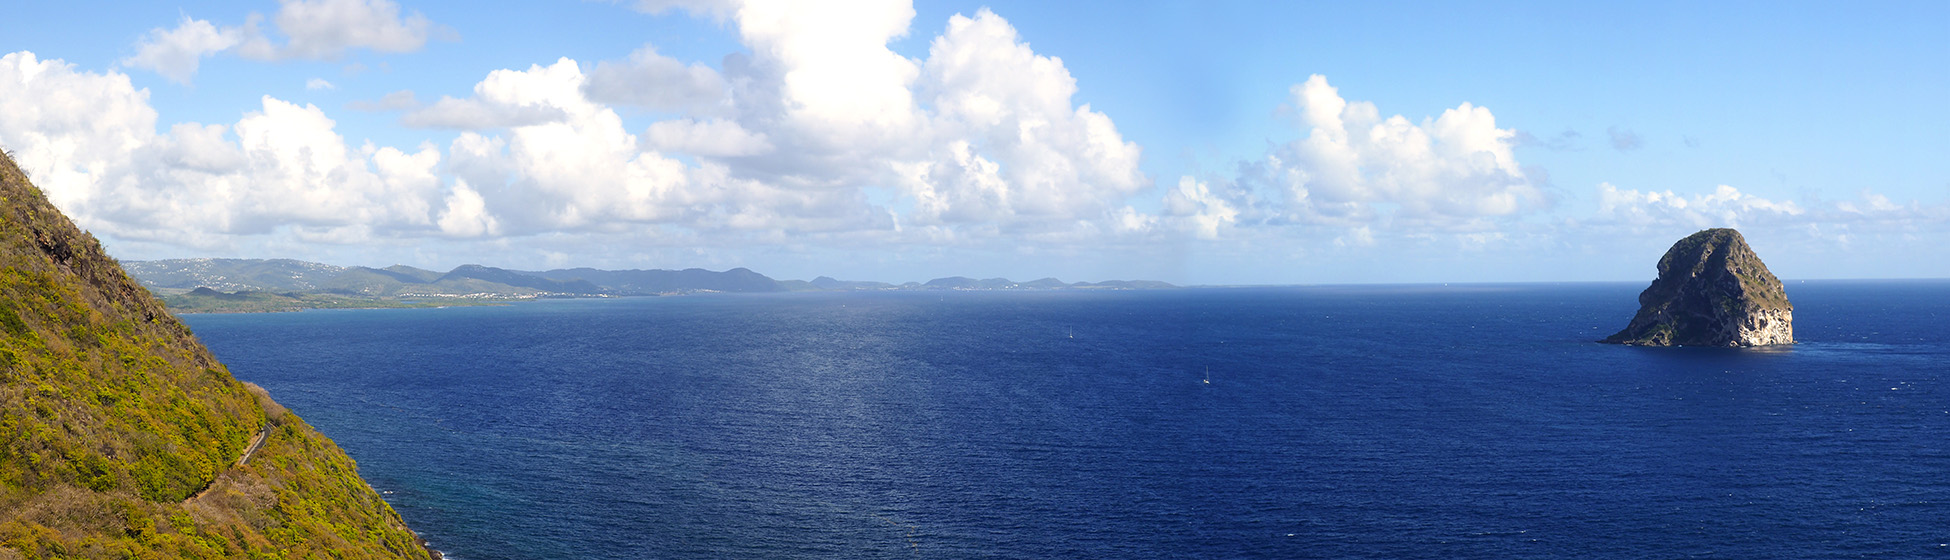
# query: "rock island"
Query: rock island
1712,290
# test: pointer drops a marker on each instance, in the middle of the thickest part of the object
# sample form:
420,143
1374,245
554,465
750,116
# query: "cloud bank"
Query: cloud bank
818,133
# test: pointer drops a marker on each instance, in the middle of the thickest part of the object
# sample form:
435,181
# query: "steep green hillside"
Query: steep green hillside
121,436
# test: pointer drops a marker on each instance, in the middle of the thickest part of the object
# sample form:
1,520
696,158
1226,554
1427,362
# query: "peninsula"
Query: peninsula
1712,290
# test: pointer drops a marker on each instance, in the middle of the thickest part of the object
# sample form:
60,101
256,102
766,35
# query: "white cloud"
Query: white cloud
90,141
577,171
1724,207
315,84
325,29
1202,211
1451,170
658,82
711,138
466,214
981,135
1362,236
822,83
586,173
992,94
177,53
474,114
313,29
71,129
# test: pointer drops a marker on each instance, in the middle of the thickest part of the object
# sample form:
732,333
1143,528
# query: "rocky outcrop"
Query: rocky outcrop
1712,290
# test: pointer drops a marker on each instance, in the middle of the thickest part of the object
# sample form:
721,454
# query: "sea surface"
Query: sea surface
1426,421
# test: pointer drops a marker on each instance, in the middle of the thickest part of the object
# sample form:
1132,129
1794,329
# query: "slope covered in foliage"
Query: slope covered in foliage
121,436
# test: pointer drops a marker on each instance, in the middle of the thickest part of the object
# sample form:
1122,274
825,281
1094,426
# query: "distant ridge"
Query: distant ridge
522,280
645,282
292,277
473,280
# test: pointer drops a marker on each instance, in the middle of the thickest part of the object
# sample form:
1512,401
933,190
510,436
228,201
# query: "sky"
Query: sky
1190,142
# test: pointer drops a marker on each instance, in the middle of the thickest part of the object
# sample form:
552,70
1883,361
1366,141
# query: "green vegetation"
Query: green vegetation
120,435
1724,249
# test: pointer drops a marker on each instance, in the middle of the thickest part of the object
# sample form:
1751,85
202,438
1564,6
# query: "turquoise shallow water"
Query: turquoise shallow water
1340,422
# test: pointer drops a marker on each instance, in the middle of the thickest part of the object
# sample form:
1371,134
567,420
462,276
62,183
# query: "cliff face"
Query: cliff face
1712,290
122,437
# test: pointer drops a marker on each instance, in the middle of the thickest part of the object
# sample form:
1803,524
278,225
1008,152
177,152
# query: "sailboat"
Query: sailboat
1073,332
1208,375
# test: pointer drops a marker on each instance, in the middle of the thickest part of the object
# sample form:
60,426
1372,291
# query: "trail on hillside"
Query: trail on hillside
257,441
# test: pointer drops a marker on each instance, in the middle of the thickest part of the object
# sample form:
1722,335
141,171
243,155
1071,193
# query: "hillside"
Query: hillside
122,437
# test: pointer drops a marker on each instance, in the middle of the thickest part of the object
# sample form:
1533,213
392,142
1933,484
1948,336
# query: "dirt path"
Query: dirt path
257,441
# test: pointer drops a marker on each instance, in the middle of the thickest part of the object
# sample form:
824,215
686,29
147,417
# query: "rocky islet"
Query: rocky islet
1712,290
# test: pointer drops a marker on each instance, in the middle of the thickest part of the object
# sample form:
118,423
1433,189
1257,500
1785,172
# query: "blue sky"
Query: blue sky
1242,143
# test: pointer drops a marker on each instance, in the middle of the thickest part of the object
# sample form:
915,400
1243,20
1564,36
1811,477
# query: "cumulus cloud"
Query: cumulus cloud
981,138
1727,206
177,53
474,114
315,84
1204,213
711,138
465,214
992,94
313,29
655,81
325,29
581,170
585,172
1457,168
1724,207
91,142
823,83
981,134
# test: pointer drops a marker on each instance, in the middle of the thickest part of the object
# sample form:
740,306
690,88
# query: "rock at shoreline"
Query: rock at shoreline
1712,290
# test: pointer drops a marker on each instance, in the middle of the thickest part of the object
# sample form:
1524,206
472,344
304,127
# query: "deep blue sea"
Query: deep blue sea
1475,421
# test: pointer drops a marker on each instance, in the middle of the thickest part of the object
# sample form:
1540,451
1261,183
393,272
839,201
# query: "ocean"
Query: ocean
1412,421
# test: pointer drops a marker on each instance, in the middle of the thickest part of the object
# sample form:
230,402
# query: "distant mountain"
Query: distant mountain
293,280
274,275
1045,283
299,277
471,281
831,284
522,280
646,282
